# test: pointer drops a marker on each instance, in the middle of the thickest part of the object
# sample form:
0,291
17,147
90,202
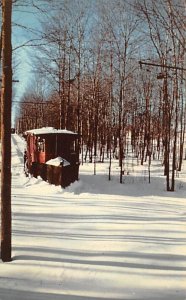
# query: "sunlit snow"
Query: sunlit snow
96,239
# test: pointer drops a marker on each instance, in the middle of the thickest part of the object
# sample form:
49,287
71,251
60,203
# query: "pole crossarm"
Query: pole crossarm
14,80
161,65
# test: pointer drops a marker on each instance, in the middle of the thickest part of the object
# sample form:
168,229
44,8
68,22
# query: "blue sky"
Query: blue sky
21,56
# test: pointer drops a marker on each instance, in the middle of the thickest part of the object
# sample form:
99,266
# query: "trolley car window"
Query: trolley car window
72,147
41,145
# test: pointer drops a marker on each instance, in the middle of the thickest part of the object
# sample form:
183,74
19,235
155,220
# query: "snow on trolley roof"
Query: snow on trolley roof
49,130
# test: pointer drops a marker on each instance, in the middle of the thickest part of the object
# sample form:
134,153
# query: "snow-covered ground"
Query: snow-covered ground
96,239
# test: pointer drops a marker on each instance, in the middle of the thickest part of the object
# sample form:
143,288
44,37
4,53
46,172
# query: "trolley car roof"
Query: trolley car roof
49,130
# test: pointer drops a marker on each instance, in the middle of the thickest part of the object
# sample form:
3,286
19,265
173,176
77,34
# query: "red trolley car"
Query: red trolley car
53,154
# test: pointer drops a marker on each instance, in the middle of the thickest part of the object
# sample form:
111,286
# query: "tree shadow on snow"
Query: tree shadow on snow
15,294
136,260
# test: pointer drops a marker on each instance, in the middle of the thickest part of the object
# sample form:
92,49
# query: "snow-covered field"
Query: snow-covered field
96,239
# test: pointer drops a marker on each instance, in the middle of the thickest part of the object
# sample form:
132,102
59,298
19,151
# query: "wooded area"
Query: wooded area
113,71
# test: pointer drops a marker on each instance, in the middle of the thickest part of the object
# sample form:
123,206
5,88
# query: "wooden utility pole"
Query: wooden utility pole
0,67
6,103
